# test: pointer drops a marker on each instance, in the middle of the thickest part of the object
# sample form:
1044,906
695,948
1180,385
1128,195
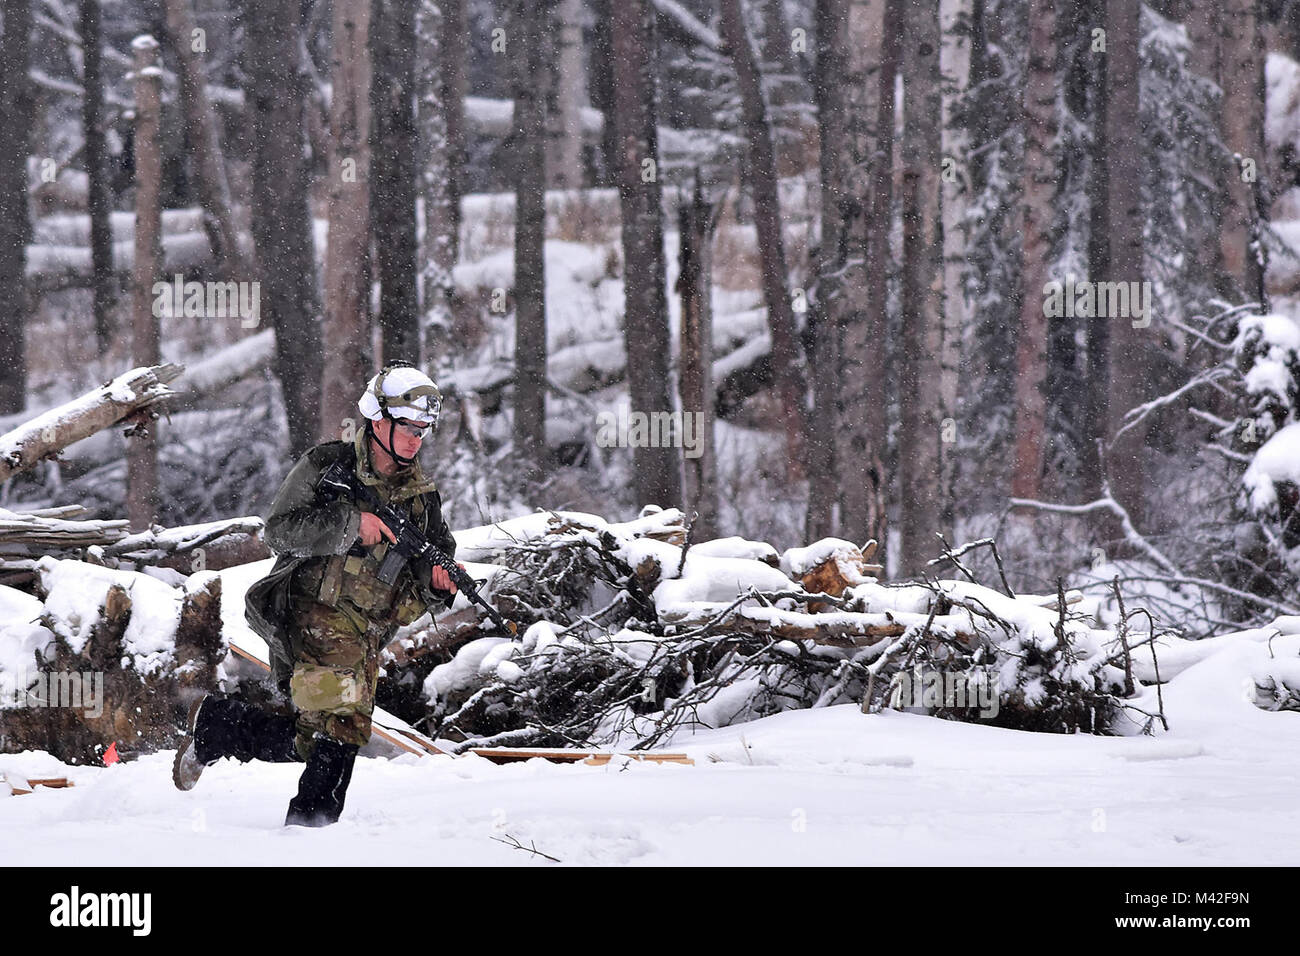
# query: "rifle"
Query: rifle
337,481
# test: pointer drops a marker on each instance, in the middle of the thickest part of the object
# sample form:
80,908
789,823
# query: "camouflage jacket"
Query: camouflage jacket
305,530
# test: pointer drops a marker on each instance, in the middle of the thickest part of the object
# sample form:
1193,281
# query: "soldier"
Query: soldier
322,610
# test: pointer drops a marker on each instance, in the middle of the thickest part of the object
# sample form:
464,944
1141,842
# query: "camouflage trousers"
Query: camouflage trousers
336,668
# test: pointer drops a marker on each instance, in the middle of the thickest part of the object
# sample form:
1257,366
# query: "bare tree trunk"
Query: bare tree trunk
1202,22
205,146
828,316
392,171
16,111
696,220
454,63
529,32
437,255
1096,415
98,202
646,334
955,25
1129,347
142,455
787,356
875,26
347,265
921,409
602,92
1037,191
564,160
1242,74
282,226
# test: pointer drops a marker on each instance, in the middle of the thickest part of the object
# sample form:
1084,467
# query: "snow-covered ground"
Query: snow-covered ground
828,786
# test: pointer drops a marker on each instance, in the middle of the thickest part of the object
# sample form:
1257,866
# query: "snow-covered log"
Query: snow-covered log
43,436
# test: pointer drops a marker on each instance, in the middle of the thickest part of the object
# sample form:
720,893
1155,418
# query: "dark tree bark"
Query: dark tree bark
1242,78
1096,412
437,256
865,335
347,261
921,411
98,200
1202,22
282,228
696,220
454,62
529,32
787,355
16,109
146,348
1037,191
204,144
835,300
394,148
645,313
1125,217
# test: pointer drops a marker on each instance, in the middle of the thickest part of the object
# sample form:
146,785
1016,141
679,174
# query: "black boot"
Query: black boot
228,727
323,785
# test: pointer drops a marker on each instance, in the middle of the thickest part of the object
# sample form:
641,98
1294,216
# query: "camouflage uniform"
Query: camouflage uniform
324,613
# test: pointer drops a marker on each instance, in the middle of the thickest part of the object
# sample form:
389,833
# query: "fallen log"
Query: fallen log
45,435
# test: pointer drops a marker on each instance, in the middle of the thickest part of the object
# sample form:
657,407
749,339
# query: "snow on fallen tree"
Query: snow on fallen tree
99,655
628,636
45,435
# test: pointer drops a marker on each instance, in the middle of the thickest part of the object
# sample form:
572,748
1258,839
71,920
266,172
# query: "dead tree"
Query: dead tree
146,349
16,111
645,307
787,355
347,259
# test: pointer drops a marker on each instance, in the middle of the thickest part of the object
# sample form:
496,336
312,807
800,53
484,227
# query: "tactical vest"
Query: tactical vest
352,577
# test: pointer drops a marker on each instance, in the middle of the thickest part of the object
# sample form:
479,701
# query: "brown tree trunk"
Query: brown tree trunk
1129,346
454,63
1242,73
529,34
204,144
99,203
142,453
1037,191
16,111
696,220
437,255
876,27
1096,413
1202,23
920,419
645,297
282,227
787,356
834,298
347,265
393,176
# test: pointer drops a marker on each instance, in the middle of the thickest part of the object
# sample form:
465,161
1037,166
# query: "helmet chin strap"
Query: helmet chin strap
401,459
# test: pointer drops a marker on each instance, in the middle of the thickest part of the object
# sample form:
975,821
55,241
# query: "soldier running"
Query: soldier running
323,612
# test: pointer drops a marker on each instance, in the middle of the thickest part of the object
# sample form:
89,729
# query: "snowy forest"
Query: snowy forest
784,346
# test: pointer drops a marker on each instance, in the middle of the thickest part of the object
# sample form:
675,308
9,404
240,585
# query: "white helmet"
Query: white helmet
401,391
